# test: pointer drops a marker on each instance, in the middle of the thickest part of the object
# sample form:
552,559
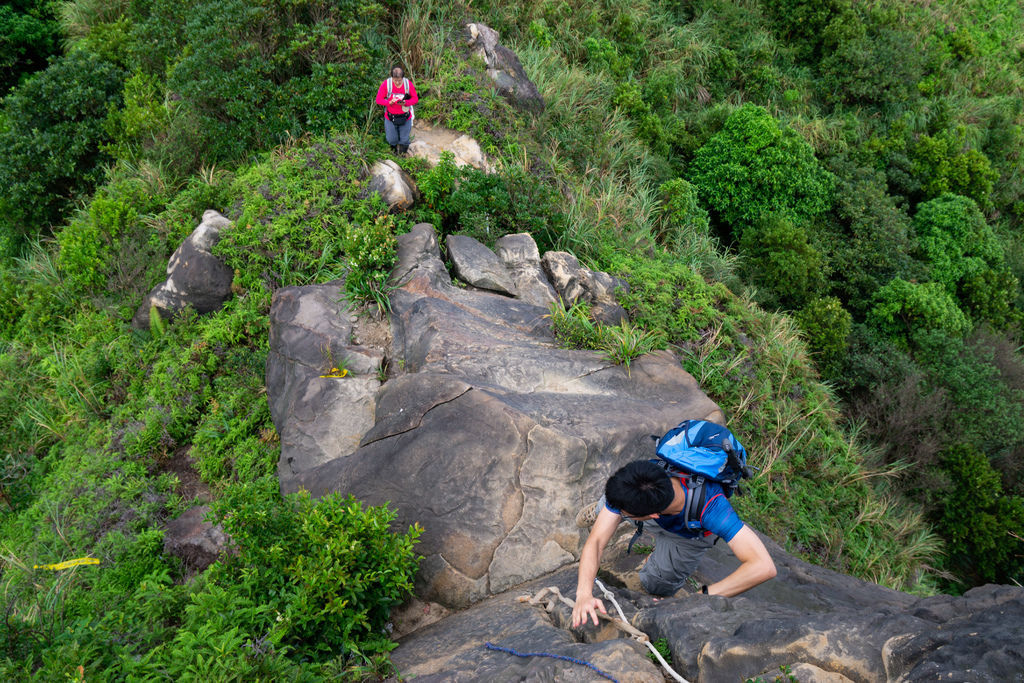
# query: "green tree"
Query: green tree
778,258
29,35
981,525
755,166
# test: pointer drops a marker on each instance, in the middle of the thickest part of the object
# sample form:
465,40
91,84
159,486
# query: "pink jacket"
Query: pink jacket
396,108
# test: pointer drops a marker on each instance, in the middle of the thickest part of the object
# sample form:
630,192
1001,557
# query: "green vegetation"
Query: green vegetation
816,206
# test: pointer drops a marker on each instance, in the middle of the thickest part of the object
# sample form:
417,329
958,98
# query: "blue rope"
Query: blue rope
491,646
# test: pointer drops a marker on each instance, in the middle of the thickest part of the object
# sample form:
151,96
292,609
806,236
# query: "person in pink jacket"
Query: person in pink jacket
397,95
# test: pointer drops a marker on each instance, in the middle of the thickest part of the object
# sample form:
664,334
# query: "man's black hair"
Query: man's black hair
639,489
397,68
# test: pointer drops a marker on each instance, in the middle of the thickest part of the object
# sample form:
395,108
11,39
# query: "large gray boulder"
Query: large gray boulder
504,68
394,185
195,277
318,417
477,265
493,437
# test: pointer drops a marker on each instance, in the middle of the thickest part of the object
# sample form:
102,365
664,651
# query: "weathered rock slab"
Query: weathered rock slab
319,416
521,257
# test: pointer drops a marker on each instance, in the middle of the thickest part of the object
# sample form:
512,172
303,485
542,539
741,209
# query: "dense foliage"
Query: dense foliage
795,191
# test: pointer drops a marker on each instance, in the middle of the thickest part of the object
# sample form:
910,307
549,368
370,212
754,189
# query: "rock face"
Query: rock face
319,418
195,277
822,625
394,185
504,68
492,438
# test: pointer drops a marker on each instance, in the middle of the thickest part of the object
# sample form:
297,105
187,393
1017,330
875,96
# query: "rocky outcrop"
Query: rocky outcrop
504,68
820,625
195,277
394,185
320,415
492,437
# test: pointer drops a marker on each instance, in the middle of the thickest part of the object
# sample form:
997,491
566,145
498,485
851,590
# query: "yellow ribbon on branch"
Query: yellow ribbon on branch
67,564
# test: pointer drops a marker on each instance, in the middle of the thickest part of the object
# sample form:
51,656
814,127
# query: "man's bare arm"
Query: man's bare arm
590,560
756,565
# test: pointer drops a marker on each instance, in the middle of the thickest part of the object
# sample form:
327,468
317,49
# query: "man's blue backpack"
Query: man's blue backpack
707,452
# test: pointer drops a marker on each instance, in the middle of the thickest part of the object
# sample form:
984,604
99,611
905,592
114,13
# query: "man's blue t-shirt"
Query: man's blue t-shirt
718,517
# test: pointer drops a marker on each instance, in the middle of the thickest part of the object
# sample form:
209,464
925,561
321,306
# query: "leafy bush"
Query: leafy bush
826,326
754,166
903,308
51,142
326,572
573,327
965,256
878,67
870,241
251,74
682,218
944,163
370,246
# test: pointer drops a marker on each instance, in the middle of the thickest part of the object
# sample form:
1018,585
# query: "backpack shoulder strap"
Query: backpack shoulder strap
389,87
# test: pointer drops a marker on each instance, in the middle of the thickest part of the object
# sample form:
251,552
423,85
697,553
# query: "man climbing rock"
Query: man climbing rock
397,95
645,491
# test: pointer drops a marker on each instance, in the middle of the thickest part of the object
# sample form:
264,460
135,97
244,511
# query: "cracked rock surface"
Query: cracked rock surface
492,437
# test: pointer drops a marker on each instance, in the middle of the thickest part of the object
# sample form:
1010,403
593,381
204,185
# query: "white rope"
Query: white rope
646,641
620,623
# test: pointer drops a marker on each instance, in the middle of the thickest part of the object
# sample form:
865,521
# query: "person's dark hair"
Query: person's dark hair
640,488
396,72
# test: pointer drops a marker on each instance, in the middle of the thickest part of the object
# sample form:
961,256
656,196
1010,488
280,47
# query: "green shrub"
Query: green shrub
879,67
325,572
51,142
826,326
870,241
370,246
754,166
778,258
966,257
903,308
981,524
573,327
682,218
945,164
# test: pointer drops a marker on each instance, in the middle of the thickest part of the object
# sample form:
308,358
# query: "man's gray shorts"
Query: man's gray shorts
673,560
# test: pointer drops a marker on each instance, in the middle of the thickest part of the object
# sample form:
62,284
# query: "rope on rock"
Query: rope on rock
619,622
492,646
647,641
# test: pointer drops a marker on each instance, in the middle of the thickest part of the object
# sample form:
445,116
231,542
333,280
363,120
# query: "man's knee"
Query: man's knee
660,585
